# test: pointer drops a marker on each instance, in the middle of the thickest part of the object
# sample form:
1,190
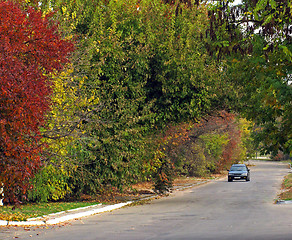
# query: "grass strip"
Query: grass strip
287,188
32,210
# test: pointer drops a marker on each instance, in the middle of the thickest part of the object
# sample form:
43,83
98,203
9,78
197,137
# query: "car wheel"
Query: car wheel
248,179
230,179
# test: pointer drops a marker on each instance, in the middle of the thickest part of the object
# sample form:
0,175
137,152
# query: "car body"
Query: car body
238,172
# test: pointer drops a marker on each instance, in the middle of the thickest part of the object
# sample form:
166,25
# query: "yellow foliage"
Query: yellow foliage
64,119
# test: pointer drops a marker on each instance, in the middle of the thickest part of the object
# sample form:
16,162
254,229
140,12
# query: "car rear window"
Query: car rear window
238,168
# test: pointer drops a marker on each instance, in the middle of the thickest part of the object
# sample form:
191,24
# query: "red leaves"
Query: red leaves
30,47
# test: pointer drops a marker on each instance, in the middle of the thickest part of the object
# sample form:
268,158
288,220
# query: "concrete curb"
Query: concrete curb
25,223
284,202
86,213
3,223
65,218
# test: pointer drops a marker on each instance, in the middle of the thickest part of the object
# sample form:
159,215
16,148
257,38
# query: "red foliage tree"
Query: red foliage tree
231,151
30,48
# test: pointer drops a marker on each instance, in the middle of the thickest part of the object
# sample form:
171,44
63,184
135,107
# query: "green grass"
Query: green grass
38,209
288,181
287,187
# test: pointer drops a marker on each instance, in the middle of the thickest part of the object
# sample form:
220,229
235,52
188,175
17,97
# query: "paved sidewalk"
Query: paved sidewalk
65,216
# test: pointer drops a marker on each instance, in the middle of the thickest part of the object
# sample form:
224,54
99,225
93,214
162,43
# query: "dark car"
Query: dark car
238,172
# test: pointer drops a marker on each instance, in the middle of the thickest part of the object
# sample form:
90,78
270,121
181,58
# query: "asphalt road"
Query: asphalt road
218,210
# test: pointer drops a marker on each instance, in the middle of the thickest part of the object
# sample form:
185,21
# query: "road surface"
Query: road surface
218,210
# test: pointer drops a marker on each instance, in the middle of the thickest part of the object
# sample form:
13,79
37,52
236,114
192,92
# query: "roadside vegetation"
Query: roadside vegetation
135,192
99,95
286,188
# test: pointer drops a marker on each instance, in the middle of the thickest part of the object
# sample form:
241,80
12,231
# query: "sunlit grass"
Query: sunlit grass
287,188
33,210
288,181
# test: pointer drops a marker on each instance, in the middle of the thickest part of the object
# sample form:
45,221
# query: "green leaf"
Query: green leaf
287,52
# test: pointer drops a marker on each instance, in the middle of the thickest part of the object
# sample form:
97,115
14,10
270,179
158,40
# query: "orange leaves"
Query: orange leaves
177,134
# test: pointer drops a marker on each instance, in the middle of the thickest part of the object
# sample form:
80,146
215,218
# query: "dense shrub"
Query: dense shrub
50,184
192,161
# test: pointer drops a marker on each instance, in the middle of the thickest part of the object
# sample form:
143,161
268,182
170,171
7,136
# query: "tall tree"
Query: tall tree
148,66
30,48
254,38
